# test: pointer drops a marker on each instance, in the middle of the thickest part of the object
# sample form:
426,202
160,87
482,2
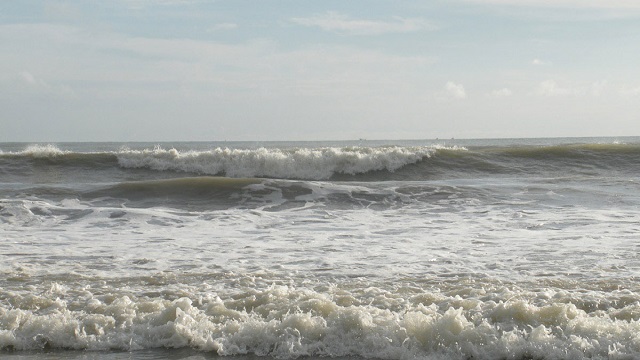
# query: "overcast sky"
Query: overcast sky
154,70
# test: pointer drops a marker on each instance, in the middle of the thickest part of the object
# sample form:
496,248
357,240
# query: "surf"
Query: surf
298,163
287,321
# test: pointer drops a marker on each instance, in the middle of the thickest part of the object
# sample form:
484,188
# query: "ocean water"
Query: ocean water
434,249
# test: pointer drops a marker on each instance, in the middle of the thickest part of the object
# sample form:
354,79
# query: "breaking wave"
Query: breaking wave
43,151
302,163
345,163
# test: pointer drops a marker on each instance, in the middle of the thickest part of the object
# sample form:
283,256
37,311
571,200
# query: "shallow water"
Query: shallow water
150,354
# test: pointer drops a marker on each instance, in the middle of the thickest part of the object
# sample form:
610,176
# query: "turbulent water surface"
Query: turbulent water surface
466,249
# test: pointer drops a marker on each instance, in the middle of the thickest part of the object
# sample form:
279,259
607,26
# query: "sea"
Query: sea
394,250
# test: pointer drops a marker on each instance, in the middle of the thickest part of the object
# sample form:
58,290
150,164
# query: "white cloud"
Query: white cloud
340,23
629,92
538,62
223,26
604,4
142,4
502,93
31,80
118,65
454,91
27,83
61,10
597,88
551,88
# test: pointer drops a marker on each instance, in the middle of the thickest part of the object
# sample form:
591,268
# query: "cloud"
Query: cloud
142,4
61,11
564,10
597,88
120,66
502,93
628,92
538,62
223,26
31,80
27,83
454,91
550,88
602,4
343,24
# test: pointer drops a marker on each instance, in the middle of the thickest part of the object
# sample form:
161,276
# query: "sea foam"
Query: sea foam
41,151
288,322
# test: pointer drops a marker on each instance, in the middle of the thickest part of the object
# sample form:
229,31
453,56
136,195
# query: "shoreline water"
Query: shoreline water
151,354
147,354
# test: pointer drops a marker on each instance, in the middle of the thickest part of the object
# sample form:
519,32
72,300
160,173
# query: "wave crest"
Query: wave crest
298,163
42,151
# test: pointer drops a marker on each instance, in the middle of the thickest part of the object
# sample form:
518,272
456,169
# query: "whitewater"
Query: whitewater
425,249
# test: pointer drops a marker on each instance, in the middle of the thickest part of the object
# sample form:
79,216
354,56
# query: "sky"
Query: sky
213,70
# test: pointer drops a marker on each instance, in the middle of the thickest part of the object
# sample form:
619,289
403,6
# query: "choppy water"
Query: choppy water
467,249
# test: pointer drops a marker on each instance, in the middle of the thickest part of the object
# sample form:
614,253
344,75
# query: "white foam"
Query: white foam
43,151
301,163
287,322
